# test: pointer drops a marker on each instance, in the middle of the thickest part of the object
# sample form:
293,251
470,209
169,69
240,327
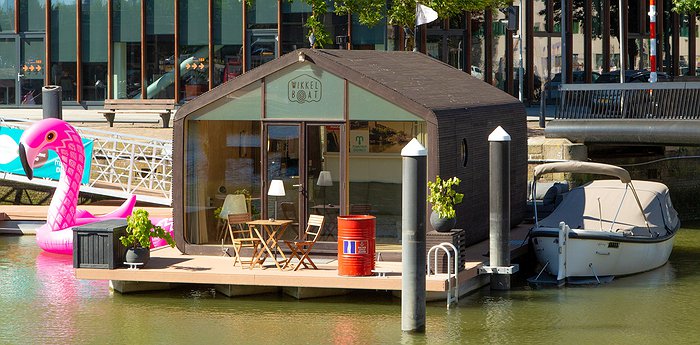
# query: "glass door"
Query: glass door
323,176
31,74
306,158
283,155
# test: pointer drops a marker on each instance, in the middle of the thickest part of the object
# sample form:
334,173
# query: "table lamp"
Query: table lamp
324,180
276,189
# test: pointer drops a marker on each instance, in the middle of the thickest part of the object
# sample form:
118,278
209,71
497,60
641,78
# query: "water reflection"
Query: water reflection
42,303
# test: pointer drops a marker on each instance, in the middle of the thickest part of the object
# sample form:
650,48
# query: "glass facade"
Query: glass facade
93,26
215,45
63,48
126,49
31,15
262,33
8,71
227,33
160,49
7,16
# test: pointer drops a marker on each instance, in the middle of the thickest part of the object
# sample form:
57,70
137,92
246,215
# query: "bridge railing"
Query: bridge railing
127,164
668,100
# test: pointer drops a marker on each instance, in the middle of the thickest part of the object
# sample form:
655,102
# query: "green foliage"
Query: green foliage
400,12
217,212
140,229
403,12
369,12
686,6
443,197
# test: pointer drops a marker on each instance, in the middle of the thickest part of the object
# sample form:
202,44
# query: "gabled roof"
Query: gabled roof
414,81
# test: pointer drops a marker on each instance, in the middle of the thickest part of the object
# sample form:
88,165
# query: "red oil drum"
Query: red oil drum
356,240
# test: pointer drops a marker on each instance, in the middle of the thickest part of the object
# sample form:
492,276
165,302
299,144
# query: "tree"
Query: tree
579,15
400,12
686,6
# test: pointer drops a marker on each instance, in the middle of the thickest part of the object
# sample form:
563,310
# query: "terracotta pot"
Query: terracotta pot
442,224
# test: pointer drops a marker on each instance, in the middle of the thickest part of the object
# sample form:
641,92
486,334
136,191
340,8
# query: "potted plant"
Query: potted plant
443,197
139,231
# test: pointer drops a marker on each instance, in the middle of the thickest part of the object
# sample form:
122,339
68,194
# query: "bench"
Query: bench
162,107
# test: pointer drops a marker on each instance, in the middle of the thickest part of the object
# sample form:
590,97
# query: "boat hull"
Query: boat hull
589,253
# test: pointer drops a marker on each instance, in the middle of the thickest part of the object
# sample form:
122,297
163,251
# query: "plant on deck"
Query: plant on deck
443,197
140,230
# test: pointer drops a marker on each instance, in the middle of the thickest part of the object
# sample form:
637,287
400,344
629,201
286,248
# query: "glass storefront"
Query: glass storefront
228,40
93,21
262,33
126,50
160,49
8,71
7,16
31,15
294,17
147,69
63,48
33,70
370,38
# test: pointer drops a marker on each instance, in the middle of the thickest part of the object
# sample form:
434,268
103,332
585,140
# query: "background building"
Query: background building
178,49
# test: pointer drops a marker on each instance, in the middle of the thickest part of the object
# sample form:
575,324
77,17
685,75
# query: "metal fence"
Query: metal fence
123,164
672,101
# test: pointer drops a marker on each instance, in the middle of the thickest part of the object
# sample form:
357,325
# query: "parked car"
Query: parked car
632,76
552,86
476,72
609,101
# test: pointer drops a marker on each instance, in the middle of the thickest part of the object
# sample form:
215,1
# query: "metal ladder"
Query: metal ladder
452,288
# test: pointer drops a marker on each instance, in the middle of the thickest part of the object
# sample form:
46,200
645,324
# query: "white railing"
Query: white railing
124,164
451,268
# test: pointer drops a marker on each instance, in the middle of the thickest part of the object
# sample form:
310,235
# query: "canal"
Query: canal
41,302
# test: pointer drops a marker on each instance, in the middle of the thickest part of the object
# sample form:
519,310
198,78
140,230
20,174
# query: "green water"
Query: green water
41,303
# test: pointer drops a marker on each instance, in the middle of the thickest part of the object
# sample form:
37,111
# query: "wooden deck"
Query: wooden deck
168,265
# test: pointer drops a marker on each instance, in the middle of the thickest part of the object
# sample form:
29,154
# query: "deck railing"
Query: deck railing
124,164
667,101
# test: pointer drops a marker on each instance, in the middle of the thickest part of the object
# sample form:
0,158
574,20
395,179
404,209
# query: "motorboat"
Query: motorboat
604,228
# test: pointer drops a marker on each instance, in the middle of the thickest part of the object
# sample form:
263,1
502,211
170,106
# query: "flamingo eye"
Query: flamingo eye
50,136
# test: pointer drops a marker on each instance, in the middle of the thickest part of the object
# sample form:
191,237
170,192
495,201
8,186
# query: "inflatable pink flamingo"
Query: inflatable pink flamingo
56,236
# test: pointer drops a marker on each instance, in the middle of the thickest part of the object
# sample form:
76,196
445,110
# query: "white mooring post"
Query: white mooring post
413,259
499,211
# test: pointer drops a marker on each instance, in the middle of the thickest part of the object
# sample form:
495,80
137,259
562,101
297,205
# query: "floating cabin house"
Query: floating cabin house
331,125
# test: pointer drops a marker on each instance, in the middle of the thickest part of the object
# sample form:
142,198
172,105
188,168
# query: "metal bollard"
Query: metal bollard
499,206
413,260
543,107
51,102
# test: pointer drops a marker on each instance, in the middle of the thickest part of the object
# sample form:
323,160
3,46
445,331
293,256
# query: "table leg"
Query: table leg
266,250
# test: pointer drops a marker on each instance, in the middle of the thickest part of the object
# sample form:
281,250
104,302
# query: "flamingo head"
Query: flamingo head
41,136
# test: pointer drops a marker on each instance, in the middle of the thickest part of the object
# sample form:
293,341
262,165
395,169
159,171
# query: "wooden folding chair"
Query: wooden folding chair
301,248
242,236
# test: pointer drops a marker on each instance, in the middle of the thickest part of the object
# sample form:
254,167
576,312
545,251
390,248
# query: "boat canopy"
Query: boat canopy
585,168
608,205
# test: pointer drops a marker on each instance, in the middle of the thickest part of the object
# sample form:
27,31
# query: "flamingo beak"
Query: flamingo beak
25,163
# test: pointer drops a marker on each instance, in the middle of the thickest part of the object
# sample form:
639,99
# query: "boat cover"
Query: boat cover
584,168
613,202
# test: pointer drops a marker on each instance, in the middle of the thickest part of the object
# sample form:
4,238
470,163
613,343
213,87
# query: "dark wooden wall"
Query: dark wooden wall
475,124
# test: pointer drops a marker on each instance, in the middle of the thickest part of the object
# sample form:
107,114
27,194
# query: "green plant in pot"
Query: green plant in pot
139,231
443,197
